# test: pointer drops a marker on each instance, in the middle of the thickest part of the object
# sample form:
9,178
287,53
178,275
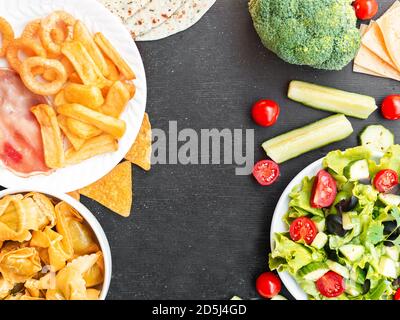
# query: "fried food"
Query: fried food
28,47
59,99
88,96
110,125
51,135
75,141
41,87
110,52
7,34
117,98
81,129
114,74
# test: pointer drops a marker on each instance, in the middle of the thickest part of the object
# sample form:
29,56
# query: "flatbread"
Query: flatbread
369,61
154,14
124,8
187,16
390,26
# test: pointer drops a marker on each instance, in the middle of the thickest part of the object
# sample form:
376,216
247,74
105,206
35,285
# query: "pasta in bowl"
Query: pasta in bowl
51,248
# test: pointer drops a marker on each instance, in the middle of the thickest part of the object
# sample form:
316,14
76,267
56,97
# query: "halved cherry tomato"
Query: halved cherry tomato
324,190
365,9
303,229
266,172
268,285
397,295
386,180
391,107
331,284
265,112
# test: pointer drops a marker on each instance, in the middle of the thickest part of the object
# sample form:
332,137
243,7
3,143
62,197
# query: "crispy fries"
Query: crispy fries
84,64
51,135
108,50
92,147
29,47
82,34
75,141
59,99
81,129
110,125
117,98
114,74
7,34
88,96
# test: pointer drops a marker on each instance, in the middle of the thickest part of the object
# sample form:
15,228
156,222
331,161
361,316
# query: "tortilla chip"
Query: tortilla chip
140,153
75,195
114,191
390,26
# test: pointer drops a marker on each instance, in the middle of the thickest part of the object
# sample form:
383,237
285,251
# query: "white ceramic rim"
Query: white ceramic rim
93,223
97,18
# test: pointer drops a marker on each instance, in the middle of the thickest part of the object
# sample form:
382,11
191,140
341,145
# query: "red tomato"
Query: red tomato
391,107
386,180
268,285
303,229
324,190
331,284
365,9
397,295
265,112
266,172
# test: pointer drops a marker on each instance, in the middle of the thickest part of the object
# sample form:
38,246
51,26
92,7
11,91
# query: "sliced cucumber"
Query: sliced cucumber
353,252
387,267
313,136
353,289
389,199
236,298
278,297
377,138
319,222
346,221
313,271
357,170
392,252
320,240
338,268
334,100
358,275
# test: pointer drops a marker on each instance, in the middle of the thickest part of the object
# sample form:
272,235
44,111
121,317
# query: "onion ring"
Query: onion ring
39,87
7,33
53,22
28,46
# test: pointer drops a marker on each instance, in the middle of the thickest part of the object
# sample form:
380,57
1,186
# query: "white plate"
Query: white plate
278,225
98,19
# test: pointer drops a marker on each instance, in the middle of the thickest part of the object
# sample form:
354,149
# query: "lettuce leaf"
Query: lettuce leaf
301,199
390,160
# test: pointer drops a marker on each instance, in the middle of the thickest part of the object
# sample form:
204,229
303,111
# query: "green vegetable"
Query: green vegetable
377,138
313,136
334,100
300,199
313,271
338,268
318,33
357,170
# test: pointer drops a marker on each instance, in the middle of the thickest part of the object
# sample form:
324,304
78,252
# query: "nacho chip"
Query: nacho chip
140,153
75,195
114,191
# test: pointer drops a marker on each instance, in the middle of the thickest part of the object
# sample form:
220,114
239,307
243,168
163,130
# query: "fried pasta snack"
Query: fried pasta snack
7,34
57,257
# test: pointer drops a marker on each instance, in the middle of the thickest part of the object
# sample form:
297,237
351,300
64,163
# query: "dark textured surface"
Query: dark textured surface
200,232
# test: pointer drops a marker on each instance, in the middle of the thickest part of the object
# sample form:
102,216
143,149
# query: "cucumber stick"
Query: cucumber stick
313,136
334,100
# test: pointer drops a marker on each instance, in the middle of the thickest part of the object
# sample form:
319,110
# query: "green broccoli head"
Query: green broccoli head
317,33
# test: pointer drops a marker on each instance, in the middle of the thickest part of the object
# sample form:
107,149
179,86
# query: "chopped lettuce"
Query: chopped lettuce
390,160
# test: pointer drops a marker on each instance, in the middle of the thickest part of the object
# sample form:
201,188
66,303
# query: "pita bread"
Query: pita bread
124,8
390,26
187,16
154,14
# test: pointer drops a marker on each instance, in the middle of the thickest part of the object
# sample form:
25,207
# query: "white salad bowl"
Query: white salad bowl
92,222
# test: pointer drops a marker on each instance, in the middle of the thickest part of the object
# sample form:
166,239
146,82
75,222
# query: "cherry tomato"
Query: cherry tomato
265,112
324,190
365,9
268,285
266,172
397,295
386,180
331,284
303,229
391,107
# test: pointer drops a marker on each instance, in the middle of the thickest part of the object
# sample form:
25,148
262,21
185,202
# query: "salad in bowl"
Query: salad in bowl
342,235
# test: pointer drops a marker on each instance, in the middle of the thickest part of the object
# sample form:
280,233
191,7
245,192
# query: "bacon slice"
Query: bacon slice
21,146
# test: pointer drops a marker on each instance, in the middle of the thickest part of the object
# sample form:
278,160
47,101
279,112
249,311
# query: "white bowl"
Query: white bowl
93,223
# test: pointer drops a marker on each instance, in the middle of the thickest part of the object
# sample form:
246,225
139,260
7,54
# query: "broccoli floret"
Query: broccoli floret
317,33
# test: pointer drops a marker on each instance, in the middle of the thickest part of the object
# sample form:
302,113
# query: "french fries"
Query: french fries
108,50
82,130
110,125
114,74
51,135
59,99
88,96
82,34
93,147
75,141
84,65
117,98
